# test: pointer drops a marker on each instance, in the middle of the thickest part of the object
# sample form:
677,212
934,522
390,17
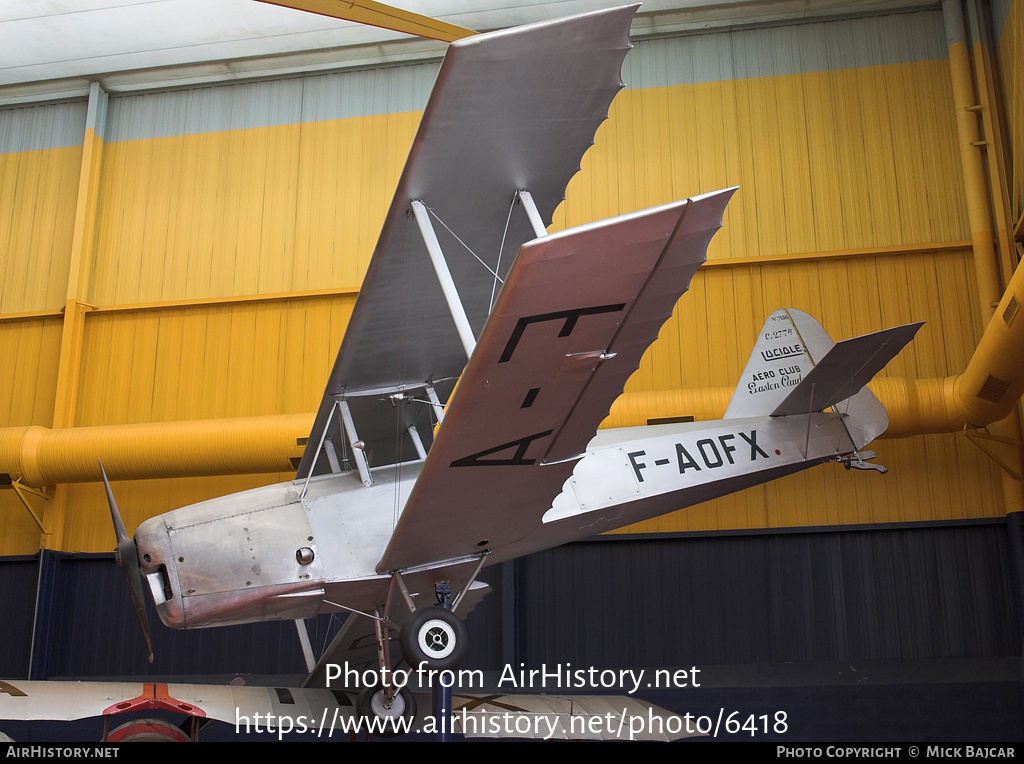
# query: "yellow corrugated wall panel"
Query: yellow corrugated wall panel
242,212
27,388
31,349
243,359
168,364
38,190
707,341
844,159
20,533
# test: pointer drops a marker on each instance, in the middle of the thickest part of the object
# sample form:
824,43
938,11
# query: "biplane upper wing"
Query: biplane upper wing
510,110
577,312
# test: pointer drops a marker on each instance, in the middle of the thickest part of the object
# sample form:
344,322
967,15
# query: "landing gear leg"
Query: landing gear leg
388,710
393,713
434,640
443,694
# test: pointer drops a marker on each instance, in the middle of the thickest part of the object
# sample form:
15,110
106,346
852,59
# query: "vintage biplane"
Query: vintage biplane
459,426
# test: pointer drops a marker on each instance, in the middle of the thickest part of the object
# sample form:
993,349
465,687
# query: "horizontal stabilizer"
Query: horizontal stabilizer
845,369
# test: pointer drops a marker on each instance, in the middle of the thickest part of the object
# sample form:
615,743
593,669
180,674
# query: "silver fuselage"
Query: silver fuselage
274,553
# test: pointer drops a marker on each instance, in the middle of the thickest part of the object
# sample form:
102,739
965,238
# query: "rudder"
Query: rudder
790,343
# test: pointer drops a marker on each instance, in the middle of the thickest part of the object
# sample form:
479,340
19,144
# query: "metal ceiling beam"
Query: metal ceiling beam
379,15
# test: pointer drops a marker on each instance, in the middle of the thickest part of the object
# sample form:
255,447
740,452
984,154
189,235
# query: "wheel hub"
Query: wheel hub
437,638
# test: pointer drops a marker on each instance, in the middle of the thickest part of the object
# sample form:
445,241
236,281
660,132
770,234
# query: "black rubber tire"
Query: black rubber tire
435,637
370,704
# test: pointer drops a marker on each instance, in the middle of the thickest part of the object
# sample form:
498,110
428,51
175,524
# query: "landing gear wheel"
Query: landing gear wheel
372,704
435,637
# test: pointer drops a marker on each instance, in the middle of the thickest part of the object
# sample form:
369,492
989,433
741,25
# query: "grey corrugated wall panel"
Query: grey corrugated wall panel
294,100
1000,13
43,126
781,50
678,60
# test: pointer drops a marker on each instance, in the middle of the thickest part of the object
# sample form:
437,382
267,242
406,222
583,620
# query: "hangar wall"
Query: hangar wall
212,238
820,596
873,633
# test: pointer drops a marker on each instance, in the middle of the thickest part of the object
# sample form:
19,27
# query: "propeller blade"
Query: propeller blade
379,15
115,513
128,560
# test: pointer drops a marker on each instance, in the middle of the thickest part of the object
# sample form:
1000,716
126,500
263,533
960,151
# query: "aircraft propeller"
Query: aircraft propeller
128,560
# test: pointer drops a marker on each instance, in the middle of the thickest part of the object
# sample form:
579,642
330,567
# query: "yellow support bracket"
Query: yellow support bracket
21,491
975,436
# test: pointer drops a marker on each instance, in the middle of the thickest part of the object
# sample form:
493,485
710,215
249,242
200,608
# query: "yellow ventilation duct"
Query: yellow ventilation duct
993,382
986,392
38,456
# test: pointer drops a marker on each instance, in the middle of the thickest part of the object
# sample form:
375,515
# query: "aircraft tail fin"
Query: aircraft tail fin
796,368
788,346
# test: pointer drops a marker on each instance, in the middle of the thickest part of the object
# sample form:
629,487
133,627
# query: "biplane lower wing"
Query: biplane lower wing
575,315
292,713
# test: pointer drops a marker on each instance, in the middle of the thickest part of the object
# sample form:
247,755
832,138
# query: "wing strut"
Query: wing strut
357,445
417,442
531,212
444,276
319,446
435,403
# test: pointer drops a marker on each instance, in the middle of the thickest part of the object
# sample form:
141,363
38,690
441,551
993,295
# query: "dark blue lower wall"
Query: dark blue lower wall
883,633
